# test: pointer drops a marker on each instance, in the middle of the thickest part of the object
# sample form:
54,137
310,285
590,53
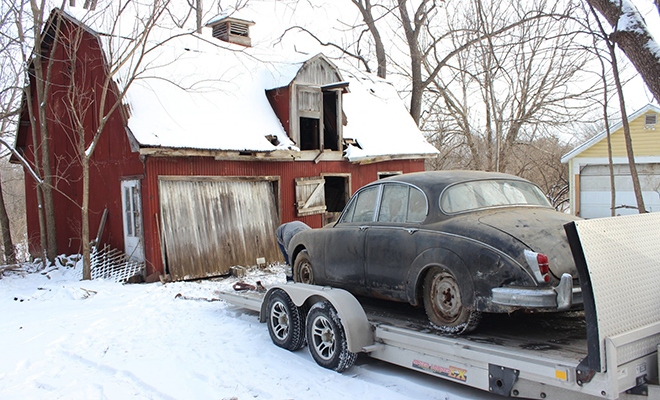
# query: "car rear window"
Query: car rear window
474,195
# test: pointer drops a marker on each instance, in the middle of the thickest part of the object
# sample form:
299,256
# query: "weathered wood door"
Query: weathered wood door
310,195
132,217
212,223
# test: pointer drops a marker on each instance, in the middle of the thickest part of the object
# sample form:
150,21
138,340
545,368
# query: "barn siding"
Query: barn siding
111,160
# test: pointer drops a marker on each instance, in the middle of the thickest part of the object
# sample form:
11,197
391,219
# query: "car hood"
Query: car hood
542,230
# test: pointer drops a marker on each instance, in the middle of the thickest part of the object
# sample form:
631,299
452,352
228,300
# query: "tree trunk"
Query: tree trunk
87,263
368,18
634,41
9,251
416,58
626,133
42,83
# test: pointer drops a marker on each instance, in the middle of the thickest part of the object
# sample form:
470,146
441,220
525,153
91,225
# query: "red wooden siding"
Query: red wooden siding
279,99
111,160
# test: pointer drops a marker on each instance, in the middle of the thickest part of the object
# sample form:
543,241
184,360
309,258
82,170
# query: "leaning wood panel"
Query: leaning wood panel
211,225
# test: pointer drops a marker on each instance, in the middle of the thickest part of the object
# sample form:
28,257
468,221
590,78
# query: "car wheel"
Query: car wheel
443,302
285,322
303,271
326,338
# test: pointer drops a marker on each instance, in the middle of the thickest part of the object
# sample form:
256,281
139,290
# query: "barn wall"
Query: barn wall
111,160
279,99
286,171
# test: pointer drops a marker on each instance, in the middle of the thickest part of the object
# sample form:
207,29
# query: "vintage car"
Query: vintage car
457,242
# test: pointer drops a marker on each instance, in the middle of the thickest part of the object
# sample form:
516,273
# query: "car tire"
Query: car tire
326,338
285,321
443,302
303,271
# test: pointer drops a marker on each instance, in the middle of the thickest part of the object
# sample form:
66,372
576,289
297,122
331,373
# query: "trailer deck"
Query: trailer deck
608,351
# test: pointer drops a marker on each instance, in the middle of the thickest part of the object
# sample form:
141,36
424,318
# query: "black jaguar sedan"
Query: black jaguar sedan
457,242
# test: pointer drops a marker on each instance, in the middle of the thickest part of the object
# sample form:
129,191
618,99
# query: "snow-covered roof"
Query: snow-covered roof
197,92
595,139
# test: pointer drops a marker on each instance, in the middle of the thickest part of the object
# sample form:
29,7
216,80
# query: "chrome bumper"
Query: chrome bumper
560,297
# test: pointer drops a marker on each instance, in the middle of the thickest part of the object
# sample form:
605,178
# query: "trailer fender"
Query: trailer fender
350,311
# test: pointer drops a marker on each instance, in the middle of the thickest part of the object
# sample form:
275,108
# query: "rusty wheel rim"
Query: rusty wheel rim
446,297
305,274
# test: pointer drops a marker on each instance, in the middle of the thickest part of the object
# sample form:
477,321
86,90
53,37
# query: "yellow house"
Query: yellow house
589,173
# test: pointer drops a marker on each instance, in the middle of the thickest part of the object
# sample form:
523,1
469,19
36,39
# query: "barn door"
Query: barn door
310,195
132,216
213,223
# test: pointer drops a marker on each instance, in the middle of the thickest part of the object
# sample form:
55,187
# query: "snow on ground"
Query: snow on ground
63,338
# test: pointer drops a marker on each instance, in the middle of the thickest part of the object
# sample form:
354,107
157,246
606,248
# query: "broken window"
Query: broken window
330,121
327,194
319,118
309,134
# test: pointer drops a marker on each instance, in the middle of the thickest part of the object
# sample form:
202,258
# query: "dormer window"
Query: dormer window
310,107
232,30
320,116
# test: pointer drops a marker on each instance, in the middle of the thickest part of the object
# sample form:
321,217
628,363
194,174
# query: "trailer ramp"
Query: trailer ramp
617,260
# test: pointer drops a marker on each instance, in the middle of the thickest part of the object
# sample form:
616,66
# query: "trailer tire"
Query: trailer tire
443,302
285,321
326,338
303,271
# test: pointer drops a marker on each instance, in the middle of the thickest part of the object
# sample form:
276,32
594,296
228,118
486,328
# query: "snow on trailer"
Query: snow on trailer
610,351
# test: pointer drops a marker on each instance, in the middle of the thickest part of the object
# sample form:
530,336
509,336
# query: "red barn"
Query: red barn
216,144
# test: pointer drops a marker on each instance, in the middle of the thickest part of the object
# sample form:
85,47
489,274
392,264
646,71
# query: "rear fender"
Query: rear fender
350,311
438,257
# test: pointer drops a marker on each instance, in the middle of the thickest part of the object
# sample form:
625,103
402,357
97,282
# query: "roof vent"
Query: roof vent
651,119
232,30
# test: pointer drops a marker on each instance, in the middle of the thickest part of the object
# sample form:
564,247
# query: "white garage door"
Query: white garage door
211,223
595,194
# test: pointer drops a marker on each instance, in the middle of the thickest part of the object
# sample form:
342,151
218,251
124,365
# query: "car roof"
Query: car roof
441,179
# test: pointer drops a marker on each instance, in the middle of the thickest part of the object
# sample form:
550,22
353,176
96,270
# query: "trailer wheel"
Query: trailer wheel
303,271
443,302
326,338
285,322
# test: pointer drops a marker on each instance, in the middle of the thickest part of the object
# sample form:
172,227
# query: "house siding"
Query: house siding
646,142
646,147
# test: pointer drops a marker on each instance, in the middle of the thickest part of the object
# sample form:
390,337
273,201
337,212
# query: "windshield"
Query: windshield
491,193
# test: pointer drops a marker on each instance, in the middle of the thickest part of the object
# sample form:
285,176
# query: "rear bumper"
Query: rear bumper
561,297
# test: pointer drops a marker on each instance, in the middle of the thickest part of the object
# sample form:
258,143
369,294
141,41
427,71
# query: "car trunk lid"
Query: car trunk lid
542,231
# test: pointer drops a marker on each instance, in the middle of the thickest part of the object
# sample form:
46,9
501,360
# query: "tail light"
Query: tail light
539,264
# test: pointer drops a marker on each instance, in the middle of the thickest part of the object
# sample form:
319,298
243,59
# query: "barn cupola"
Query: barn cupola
231,30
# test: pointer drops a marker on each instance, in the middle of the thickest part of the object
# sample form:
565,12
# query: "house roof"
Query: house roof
602,135
198,92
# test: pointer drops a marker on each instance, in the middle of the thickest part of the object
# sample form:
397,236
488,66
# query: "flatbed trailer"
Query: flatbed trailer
608,351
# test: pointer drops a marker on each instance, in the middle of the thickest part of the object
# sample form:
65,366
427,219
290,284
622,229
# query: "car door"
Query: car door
391,243
345,245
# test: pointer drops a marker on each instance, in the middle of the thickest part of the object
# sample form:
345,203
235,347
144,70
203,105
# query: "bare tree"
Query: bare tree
10,96
123,63
39,68
510,89
611,42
